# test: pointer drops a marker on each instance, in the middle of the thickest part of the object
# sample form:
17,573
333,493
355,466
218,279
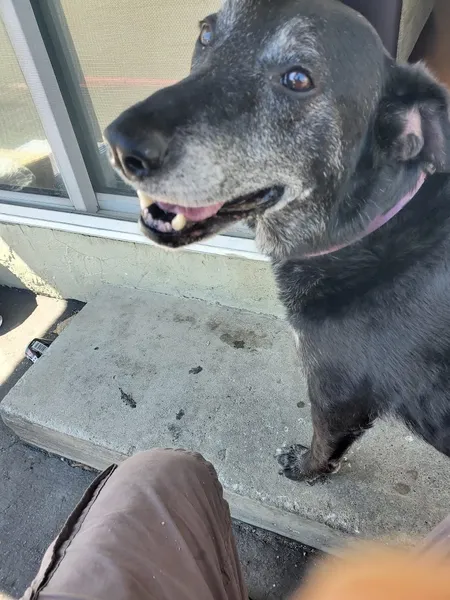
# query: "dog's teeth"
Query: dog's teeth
144,200
179,222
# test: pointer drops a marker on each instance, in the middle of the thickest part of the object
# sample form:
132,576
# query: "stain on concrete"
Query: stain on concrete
413,474
402,488
222,454
212,324
227,338
195,370
301,404
242,339
175,431
127,399
178,318
180,414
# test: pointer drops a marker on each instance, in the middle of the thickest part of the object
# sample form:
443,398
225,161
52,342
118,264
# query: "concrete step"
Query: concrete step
137,370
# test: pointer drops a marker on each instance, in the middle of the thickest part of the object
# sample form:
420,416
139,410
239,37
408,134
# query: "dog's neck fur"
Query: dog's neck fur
330,283
378,221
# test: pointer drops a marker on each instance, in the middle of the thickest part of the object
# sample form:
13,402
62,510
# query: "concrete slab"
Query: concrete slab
38,491
138,370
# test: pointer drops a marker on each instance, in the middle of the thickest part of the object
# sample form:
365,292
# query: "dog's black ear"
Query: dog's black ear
413,121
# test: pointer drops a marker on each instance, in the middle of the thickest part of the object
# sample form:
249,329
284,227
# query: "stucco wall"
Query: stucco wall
76,266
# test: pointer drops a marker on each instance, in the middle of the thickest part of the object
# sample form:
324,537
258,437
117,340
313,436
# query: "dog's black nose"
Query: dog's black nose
137,155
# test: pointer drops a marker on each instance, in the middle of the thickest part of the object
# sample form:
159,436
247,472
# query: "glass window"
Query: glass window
26,160
113,54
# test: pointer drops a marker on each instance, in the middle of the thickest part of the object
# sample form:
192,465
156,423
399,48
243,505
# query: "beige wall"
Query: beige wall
76,266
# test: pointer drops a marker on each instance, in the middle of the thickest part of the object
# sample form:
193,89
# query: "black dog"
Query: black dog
295,119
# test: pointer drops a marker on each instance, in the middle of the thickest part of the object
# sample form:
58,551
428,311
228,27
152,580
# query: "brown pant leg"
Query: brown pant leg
156,527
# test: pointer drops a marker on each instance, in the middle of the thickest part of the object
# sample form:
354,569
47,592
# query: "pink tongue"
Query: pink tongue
192,214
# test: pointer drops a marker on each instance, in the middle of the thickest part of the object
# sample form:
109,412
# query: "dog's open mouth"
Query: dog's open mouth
174,226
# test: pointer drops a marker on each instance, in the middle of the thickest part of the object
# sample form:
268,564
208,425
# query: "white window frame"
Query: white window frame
106,226
22,197
100,215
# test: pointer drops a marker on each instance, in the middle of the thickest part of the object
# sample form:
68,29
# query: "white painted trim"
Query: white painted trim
22,197
128,205
26,39
104,226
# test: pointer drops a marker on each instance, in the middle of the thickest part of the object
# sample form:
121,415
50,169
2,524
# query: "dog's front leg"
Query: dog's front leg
336,426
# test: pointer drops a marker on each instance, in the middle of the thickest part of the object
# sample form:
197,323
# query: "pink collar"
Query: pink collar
378,221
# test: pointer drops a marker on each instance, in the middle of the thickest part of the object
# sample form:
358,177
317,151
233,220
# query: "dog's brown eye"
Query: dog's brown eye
297,81
206,34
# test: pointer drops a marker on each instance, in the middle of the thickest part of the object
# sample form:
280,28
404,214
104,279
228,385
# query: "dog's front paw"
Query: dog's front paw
296,464
293,461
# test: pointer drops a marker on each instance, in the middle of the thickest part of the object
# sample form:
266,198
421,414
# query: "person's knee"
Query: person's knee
173,461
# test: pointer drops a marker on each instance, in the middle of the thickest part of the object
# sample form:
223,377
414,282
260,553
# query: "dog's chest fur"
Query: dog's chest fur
379,312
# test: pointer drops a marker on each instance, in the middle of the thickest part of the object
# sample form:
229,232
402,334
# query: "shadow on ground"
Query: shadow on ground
16,308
